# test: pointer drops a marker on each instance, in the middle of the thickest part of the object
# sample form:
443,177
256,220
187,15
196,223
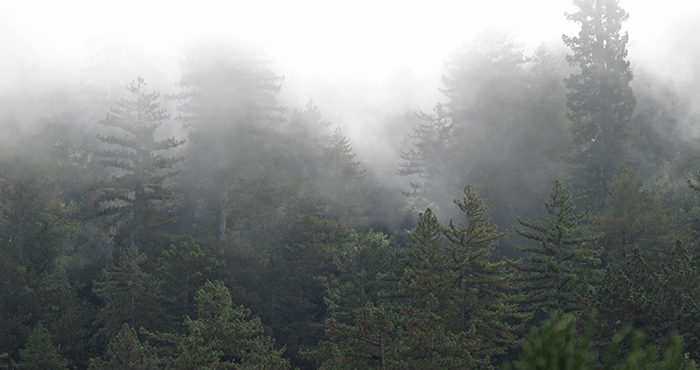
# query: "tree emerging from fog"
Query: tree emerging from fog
136,199
600,99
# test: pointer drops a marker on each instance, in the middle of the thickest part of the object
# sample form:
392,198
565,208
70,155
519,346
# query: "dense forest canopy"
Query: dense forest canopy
542,211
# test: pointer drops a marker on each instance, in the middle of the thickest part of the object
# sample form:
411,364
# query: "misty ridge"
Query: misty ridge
526,205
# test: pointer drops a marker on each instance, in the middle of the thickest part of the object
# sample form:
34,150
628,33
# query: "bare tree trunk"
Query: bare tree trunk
223,211
381,350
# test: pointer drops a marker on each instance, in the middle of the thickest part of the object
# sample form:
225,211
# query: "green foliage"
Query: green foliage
486,315
222,336
427,336
40,353
360,321
600,100
129,295
557,345
36,226
558,269
364,273
126,352
633,217
136,199
367,342
659,295
182,269
428,277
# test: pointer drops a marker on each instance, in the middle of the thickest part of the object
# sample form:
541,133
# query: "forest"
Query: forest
547,217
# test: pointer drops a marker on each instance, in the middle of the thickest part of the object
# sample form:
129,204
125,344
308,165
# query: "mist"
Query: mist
302,173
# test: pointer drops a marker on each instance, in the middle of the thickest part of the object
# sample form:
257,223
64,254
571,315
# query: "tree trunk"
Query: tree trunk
381,350
223,211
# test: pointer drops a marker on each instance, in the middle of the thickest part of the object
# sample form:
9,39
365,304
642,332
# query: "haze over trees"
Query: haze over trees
546,217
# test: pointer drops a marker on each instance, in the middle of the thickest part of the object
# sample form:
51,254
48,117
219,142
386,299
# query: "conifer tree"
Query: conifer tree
36,226
126,352
222,336
427,275
40,353
634,217
129,294
136,200
360,320
557,345
487,316
557,267
182,270
600,100
367,342
425,334
658,295
426,161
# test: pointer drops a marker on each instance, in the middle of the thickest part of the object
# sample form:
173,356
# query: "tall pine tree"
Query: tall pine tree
136,200
557,265
600,100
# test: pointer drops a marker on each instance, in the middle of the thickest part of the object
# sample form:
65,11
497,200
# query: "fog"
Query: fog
363,63
445,174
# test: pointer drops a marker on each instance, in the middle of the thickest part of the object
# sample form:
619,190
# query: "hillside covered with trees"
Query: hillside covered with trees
548,218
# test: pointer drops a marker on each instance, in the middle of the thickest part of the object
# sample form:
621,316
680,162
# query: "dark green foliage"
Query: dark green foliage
136,200
364,273
485,313
557,270
360,323
659,295
129,295
40,353
126,352
556,345
427,278
36,226
221,337
182,269
633,217
600,100
367,342
427,338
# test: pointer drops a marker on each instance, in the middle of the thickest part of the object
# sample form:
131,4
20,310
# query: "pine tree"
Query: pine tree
40,353
126,352
36,226
557,345
659,295
426,160
129,294
558,267
633,217
183,269
136,200
222,336
360,320
425,334
367,342
427,275
600,100
486,314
